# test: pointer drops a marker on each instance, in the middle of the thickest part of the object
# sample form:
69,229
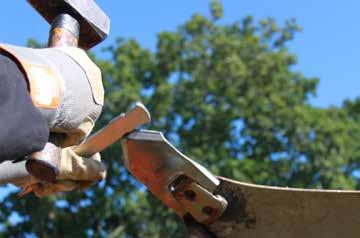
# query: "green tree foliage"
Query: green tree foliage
227,96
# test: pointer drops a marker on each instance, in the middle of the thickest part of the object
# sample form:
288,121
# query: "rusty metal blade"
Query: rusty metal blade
157,164
270,212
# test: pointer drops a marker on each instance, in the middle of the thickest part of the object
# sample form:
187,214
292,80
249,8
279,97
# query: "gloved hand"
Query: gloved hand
75,173
65,85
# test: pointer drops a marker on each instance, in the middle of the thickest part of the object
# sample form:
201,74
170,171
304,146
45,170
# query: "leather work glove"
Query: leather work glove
75,173
65,85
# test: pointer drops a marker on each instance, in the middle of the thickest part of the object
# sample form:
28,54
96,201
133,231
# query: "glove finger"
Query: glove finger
47,189
74,167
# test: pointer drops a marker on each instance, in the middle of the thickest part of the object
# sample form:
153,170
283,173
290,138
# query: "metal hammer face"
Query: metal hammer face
94,23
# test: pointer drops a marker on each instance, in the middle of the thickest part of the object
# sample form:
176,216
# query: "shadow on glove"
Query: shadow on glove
75,173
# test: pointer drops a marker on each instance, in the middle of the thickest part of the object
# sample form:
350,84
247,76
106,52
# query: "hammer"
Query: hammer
73,22
76,23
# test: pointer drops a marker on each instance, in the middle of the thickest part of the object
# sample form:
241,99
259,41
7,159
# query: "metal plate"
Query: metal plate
271,212
157,164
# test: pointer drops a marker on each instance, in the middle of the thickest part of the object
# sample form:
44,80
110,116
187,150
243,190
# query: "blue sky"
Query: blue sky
327,48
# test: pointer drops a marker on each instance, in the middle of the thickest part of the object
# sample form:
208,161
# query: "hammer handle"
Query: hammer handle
45,165
61,37
64,31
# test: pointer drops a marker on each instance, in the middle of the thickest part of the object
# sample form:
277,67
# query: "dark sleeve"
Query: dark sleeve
23,130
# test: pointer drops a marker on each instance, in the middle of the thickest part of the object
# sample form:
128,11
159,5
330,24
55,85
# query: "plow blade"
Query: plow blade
271,212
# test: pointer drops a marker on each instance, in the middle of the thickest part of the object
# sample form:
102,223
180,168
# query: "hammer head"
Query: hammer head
94,23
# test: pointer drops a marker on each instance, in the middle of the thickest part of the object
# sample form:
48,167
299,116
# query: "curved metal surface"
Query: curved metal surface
271,212
157,164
